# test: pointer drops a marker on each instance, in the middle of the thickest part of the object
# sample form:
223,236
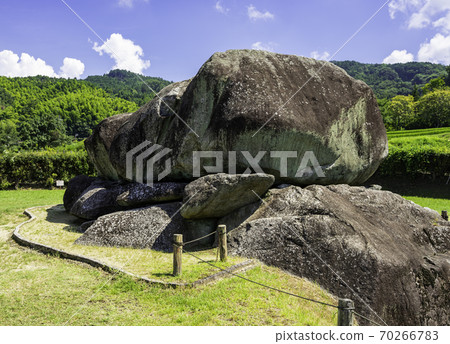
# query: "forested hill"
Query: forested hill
389,80
36,112
128,85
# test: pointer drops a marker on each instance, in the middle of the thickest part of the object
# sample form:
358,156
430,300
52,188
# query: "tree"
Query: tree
433,85
8,134
415,93
401,112
40,131
433,109
447,78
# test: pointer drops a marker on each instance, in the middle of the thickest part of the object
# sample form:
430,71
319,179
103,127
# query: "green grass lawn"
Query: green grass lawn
36,289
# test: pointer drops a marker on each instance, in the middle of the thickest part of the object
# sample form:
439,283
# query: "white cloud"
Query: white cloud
128,3
219,8
443,23
399,56
254,14
437,50
124,52
12,65
404,6
320,56
423,13
71,68
263,46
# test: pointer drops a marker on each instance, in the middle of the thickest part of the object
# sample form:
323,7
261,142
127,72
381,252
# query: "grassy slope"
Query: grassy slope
40,290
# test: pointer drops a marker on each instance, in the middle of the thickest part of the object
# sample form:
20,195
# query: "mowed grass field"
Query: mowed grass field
37,289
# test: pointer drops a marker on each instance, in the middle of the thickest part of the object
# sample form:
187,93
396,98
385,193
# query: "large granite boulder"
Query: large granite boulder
89,197
75,189
137,194
247,101
151,227
99,143
216,195
393,253
98,199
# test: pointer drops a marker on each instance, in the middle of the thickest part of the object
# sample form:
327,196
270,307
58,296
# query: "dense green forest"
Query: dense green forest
38,112
390,80
129,86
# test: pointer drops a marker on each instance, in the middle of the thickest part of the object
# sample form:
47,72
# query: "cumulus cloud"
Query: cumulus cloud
126,54
443,23
437,50
404,6
399,56
320,56
71,68
254,14
12,65
263,46
423,13
128,3
219,8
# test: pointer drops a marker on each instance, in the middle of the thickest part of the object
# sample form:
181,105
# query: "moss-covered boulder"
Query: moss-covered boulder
255,101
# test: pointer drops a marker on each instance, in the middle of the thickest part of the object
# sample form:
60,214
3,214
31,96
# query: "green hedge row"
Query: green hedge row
416,160
42,168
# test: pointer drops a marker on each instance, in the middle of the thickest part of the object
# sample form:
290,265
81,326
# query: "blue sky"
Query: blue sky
172,38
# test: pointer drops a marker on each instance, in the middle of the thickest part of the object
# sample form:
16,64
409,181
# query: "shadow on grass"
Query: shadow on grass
57,214
422,186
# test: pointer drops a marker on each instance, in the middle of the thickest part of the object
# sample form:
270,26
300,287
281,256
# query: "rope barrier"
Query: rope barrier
362,316
260,284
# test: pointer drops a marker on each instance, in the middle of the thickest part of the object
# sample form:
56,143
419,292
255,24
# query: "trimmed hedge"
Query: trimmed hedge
416,160
42,168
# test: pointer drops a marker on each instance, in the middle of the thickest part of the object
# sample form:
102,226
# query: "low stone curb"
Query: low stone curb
17,237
